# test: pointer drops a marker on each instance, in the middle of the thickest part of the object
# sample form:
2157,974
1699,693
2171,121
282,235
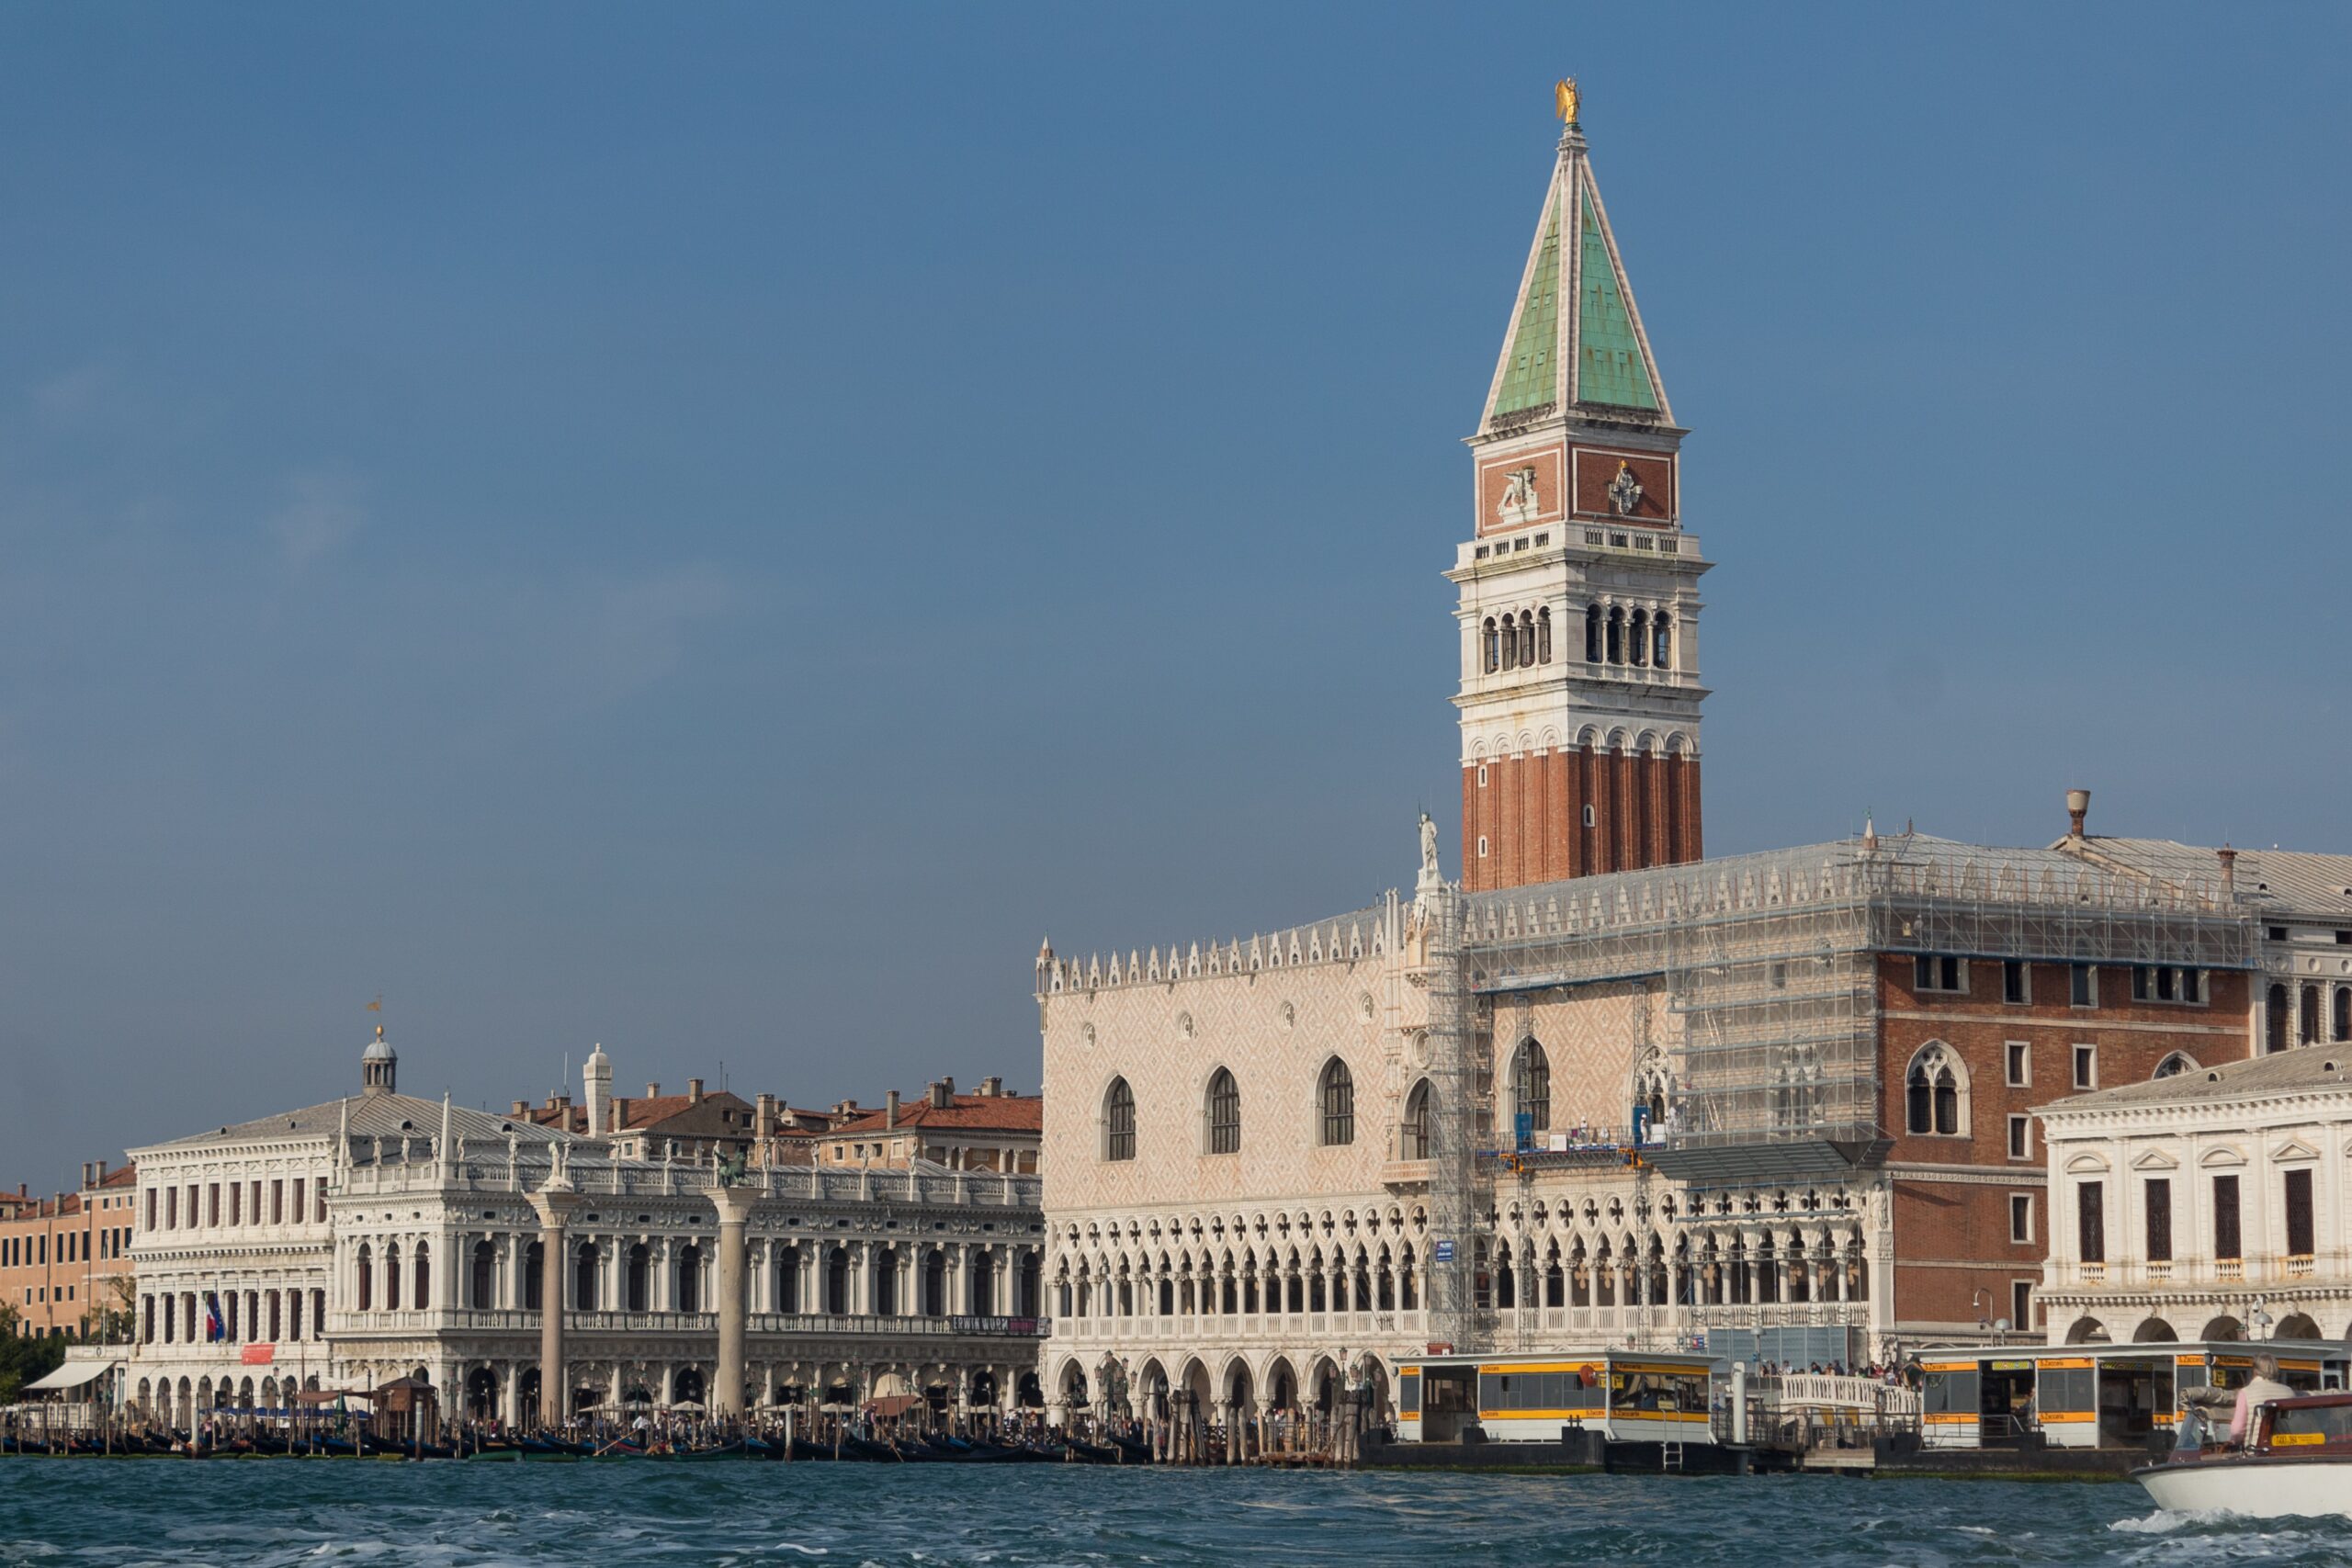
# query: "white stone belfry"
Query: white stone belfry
596,1079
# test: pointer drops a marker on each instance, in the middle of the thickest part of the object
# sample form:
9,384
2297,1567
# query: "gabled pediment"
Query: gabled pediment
2293,1149
2154,1159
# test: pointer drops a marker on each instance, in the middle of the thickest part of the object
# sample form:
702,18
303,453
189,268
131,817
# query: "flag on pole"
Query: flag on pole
214,1327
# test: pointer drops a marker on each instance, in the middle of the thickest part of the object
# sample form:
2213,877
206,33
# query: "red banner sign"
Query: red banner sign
259,1355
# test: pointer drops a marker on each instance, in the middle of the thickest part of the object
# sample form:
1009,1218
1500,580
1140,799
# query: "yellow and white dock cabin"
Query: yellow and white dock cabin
2097,1396
1629,1396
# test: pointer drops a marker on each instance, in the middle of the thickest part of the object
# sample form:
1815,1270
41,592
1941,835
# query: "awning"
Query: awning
73,1374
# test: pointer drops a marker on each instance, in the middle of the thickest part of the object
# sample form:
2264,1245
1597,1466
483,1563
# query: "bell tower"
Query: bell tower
1579,587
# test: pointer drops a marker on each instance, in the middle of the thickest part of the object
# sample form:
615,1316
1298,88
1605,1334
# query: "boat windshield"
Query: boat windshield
2293,1425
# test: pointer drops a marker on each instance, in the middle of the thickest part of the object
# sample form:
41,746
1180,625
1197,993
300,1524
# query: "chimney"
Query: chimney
694,1092
942,1093
521,1108
2228,859
992,1087
2078,806
653,1092
890,1111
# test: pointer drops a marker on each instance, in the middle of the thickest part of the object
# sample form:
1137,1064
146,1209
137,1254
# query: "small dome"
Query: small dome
597,1059
378,1049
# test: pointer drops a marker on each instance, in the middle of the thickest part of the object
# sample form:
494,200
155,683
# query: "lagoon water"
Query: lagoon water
118,1513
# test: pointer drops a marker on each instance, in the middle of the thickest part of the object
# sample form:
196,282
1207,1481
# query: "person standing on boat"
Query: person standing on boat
2259,1390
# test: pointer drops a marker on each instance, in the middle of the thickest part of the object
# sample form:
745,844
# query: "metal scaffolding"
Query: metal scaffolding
1769,968
1452,1074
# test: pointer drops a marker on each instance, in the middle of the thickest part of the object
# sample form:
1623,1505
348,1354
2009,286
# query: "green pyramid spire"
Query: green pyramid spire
1591,350
1530,377
1611,367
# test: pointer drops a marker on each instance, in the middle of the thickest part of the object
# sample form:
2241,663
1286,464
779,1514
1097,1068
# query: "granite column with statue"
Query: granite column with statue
554,1204
734,1206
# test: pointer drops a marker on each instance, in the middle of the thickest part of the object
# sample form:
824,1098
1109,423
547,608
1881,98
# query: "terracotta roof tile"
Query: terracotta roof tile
967,1112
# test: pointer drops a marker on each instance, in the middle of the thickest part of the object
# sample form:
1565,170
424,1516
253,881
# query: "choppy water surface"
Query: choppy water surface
58,1512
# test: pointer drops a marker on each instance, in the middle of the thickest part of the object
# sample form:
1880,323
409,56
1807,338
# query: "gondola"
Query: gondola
962,1450
717,1450
879,1453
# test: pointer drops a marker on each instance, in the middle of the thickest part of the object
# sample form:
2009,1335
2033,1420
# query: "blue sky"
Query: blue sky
711,529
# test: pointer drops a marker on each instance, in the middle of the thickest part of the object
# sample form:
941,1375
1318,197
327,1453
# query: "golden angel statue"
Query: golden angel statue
1565,93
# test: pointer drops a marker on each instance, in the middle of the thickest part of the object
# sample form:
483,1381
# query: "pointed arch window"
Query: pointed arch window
1531,1086
1415,1143
1494,647
1526,639
1662,642
1338,1104
1593,645
1223,1110
1543,635
1119,1122
1935,1092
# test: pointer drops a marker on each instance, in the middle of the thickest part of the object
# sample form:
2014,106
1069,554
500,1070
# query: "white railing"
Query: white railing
1242,1328
1828,1391
812,1184
361,1325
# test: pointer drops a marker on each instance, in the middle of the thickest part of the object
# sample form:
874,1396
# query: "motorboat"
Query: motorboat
2296,1461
